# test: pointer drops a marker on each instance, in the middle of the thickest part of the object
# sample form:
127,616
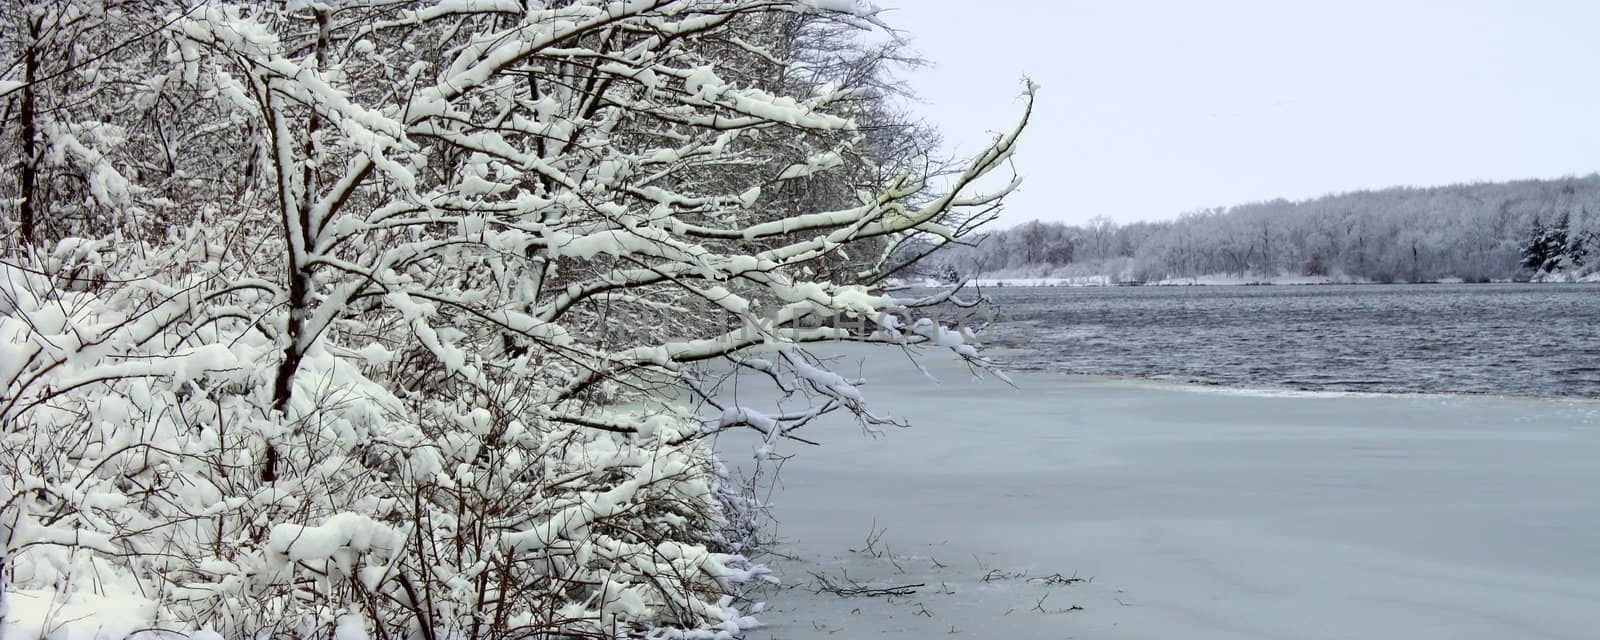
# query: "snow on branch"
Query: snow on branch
410,308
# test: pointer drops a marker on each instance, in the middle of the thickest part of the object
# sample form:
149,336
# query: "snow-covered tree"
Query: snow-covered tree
1553,249
1536,253
394,338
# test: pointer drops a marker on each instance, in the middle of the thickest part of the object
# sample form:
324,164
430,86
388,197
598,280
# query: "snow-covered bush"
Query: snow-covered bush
394,332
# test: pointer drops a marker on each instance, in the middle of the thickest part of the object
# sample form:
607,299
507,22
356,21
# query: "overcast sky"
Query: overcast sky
1149,109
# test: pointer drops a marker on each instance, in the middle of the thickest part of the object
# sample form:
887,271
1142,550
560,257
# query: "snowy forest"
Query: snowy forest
1523,230
404,319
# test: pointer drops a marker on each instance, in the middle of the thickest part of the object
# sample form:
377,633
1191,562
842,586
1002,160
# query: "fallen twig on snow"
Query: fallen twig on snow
850,588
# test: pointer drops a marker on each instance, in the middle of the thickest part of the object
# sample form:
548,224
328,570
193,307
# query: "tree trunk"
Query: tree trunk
300,238
29,168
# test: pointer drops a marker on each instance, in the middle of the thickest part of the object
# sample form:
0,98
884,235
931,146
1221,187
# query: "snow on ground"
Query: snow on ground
36,615
1567,277
1163,511
1197,514
1215,279
1107,281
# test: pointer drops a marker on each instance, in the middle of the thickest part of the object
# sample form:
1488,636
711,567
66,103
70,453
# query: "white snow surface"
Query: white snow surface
1216,279
1198,512
1232,514
45,615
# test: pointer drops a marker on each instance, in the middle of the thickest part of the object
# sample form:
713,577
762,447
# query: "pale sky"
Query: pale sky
1149,109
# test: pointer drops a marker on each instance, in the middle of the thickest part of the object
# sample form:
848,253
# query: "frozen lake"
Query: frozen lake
1514,339
1200,512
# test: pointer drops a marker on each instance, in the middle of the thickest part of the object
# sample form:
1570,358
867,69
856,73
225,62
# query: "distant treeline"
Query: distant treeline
1528,229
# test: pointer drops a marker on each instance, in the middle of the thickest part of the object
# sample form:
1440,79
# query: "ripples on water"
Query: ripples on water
1515,339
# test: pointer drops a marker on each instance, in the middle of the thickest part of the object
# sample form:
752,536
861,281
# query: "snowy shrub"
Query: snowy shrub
389,328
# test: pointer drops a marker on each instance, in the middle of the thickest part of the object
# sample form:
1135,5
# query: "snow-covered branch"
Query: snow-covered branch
408,307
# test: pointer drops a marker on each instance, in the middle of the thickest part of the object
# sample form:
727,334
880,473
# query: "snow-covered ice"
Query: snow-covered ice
1197,514
1103,280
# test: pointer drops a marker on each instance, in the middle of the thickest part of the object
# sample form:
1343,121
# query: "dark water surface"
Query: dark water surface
1515,339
